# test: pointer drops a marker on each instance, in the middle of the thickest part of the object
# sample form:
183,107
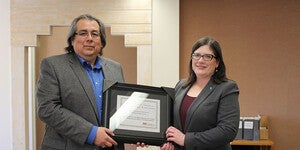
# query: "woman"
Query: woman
206,108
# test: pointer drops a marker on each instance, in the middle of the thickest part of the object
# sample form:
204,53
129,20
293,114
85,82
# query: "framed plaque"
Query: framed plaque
138,113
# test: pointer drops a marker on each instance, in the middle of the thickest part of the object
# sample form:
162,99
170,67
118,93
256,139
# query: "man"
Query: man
70,87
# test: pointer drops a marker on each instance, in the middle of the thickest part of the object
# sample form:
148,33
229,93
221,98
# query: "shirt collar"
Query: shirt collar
84,63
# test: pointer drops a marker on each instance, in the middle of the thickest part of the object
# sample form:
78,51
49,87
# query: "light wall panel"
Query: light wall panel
30,18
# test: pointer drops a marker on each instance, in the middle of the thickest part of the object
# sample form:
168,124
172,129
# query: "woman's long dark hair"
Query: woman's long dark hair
73,29
220,72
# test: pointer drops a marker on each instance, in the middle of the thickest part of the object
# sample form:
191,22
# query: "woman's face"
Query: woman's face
202,65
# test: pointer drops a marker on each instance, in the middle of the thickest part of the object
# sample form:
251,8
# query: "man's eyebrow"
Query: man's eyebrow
87,30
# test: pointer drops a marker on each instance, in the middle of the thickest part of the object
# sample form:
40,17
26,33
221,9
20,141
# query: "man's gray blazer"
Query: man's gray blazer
213,118
66,101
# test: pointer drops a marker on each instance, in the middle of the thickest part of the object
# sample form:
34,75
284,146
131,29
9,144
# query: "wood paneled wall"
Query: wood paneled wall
260,43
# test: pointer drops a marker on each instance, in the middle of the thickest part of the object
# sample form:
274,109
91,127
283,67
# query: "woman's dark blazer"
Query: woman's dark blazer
213,118
66,101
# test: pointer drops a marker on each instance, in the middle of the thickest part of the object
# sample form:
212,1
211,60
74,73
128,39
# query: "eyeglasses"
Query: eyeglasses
85,34
206,57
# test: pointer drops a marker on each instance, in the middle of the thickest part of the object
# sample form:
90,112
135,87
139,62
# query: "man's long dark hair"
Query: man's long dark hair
73,28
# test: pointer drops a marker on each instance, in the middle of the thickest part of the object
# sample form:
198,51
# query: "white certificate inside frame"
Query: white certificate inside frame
146,117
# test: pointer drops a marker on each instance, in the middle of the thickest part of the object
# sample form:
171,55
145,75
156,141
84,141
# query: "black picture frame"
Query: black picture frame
165,96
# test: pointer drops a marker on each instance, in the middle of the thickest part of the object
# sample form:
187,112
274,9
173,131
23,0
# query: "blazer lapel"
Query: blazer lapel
198,101
106,69
177,103
84,80
107,84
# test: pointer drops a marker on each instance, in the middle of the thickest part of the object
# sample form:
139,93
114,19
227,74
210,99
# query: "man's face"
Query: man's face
87,41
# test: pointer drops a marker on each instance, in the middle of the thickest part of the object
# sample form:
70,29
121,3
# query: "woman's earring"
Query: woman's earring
216,70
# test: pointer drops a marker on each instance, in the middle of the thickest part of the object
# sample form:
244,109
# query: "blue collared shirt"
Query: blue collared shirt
96,77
